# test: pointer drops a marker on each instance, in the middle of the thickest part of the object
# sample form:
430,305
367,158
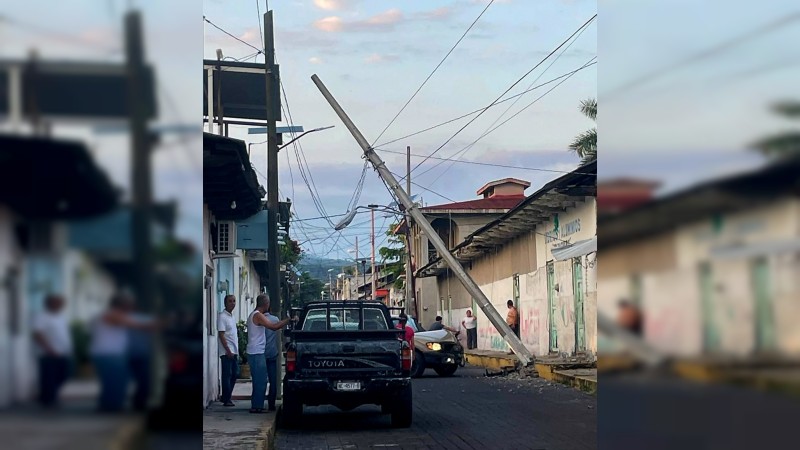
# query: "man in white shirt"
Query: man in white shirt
228,349
54,341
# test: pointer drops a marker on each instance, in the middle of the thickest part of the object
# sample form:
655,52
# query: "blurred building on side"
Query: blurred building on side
37,200
714,268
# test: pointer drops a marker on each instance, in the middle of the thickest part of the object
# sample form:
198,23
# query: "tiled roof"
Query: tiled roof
496,202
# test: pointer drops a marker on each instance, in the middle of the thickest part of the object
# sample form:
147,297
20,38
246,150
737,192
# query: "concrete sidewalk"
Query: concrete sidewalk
579,372
235,427
75,425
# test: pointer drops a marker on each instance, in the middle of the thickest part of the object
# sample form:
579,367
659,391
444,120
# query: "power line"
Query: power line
506,91
466,149
433,72
479,109
489,131
427,189
504,166
259,51
702,55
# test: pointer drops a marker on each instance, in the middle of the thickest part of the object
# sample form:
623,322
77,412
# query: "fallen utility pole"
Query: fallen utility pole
525,356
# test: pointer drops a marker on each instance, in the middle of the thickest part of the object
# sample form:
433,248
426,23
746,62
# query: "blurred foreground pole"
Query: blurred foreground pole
141,184
273,251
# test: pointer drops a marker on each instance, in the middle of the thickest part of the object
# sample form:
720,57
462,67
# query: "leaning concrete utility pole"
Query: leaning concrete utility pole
525,356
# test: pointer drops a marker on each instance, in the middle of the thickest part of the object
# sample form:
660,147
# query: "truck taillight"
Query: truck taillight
291,358
406,356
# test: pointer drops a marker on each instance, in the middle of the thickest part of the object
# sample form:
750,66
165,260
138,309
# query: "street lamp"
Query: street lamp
286,144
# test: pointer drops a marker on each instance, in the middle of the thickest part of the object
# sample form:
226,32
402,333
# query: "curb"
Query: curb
127,436
492,362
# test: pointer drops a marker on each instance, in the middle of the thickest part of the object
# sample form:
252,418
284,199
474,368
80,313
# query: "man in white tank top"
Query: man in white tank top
257,323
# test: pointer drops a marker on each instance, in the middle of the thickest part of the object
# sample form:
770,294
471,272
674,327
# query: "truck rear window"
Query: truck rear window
344,319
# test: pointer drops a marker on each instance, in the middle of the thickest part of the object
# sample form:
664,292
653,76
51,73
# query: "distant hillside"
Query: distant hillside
318,267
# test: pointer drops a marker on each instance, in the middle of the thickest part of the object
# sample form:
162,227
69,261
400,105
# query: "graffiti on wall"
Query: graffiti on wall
530,325
490,338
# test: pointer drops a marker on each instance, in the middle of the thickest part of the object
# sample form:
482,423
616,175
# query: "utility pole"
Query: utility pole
409,275
356,277
273,258
372,287
522,352
141,142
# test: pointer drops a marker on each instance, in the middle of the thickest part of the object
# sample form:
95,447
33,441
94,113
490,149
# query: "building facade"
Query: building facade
541,255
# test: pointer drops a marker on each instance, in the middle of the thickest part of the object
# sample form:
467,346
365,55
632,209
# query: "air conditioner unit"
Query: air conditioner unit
226,237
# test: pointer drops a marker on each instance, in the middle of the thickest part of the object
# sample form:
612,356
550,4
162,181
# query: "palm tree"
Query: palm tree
785,144
585,144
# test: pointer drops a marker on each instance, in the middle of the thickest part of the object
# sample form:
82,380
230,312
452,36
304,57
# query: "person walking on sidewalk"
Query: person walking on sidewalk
228,337
51,333
257,324
470,324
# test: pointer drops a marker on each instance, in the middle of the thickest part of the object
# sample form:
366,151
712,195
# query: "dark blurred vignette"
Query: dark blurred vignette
699,224
100,224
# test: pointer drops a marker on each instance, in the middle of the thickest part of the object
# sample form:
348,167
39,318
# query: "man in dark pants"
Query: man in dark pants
52,334
228,349
140,351
271,355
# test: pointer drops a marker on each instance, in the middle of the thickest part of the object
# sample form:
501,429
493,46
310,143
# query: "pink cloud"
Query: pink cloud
331,5
389,17
331,24
384,21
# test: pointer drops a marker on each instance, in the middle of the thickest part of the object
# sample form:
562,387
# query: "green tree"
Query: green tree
785,144
585,144
394,255
309,290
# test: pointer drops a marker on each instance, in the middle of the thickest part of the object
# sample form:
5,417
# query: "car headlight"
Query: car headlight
435,346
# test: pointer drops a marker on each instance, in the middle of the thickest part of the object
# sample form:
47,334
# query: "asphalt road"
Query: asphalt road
654,412
466,411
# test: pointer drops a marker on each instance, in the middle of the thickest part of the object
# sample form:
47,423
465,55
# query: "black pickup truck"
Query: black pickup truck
347,354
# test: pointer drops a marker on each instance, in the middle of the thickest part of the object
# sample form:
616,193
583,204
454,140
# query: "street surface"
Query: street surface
645,411
466,411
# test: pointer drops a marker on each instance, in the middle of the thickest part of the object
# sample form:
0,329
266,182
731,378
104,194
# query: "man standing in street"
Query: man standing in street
228,349
512,319
257,324
52,334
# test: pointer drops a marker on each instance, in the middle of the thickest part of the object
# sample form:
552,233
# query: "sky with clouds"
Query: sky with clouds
373,55
87,30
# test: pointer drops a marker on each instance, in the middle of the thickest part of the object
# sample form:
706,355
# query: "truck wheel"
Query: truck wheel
418,365
446,371
291,410
402,409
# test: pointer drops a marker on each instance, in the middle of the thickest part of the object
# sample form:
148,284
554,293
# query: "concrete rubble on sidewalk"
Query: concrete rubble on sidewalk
576,371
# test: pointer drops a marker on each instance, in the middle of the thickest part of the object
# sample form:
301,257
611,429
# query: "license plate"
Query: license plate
348,386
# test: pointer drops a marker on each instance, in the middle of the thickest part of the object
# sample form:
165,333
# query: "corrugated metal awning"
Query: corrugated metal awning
575,250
